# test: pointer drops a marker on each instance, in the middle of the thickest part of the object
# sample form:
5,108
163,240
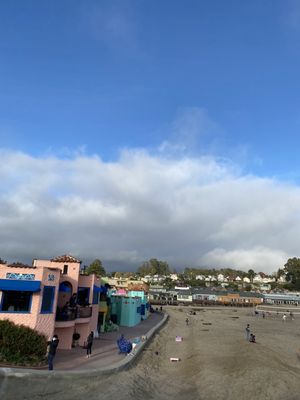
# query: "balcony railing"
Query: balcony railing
84,312
71,314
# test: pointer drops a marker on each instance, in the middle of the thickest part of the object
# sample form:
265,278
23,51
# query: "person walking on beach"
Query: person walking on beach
247,332
283,318
51,351
89,345
187,321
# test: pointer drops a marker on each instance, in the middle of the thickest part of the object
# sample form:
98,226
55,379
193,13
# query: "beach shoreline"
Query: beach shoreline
216,362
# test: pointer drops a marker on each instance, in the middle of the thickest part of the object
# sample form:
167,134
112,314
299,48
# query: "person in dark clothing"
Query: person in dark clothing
252,338
51,351
89,344
73,300
125,346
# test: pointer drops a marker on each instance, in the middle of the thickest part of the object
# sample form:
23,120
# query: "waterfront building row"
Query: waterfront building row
210,296
56,297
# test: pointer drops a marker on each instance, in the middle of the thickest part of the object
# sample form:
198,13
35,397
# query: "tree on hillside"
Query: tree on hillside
292,268
251,274
96,268
154,267
169,284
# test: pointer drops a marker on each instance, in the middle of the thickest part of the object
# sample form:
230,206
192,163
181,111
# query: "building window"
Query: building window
48,297
65,271
95,297
83,296
16,302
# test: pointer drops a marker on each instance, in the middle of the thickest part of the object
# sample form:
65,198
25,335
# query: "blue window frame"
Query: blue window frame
48,298
95,297
14,301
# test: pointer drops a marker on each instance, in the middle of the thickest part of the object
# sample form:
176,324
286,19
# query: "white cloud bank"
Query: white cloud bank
189,212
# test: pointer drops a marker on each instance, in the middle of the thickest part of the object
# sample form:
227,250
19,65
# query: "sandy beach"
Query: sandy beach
216,360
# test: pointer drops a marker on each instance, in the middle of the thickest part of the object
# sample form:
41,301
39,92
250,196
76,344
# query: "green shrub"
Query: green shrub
21,345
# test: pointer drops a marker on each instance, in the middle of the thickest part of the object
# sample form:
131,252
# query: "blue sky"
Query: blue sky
173,80
107,75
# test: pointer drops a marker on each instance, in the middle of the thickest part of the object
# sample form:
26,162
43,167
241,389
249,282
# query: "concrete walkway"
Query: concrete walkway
104,351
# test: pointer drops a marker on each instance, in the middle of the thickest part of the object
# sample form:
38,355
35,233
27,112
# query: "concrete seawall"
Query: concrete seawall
26,384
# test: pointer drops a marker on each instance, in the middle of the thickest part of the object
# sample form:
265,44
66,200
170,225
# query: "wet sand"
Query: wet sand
217,362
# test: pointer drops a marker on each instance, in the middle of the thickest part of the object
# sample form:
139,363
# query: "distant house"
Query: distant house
128,284
240,298
181,288
204,294
257,279
220,278
265,286
263,278
157,288
185,296
281,279
200,277
246,280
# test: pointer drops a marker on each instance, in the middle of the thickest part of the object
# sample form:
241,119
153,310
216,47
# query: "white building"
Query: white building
257,279
179,288
246,280
282,279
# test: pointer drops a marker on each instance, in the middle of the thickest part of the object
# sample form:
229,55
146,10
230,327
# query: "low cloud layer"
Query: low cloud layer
188,211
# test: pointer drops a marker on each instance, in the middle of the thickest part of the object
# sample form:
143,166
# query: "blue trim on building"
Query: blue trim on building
20,285
50,311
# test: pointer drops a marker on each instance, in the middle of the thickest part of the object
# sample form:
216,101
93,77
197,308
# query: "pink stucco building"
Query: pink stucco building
52,297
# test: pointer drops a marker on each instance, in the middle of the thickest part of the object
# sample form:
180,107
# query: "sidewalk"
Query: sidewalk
104,351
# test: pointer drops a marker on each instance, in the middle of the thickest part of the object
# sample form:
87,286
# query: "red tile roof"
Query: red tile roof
66,258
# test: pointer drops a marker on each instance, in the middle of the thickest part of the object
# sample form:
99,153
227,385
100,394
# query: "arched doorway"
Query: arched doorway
64,294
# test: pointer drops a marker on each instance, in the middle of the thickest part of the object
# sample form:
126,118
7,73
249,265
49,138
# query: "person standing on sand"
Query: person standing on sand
283,318
247,332
187,321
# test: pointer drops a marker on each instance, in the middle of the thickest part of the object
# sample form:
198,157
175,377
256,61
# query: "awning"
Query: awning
97,289
20,285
